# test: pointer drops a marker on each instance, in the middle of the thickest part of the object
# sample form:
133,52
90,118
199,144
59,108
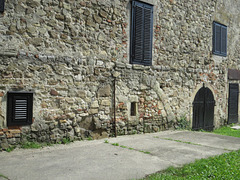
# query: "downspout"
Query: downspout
114,106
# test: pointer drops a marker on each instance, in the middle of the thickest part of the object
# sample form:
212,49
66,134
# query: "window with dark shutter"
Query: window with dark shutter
141,33
2,2
19,108
219,39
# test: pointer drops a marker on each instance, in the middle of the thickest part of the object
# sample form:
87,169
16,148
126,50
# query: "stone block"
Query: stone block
116,74
4,146
97,18
106,103
103,14
54,92
35,127
97,123
95,104
104,91
63,121
14,131
87,123
71,115
93,111
33,3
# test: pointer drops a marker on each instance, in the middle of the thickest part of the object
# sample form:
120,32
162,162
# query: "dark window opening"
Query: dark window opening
133,108
2,3
19,108
219,39
141,33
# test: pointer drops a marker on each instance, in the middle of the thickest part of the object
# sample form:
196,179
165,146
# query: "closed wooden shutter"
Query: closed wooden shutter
224,40
141,33
219,39
19,108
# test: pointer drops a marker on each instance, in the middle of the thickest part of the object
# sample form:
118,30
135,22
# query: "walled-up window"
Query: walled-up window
219,39
141,33
19,108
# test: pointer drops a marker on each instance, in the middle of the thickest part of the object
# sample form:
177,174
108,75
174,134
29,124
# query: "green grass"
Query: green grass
115,144
125,147
33,145
89,138
186,142
11,148
225,166
2,176
36,145
66,141
227,131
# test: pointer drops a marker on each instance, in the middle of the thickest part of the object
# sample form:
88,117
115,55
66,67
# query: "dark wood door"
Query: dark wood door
203,110
233,103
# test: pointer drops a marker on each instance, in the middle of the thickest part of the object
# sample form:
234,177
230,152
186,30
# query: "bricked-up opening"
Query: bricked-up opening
19,108
133,108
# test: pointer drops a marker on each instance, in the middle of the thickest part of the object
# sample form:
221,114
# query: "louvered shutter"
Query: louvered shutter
147,58
224,40
138,12
2,2
19,108
219,39
141,33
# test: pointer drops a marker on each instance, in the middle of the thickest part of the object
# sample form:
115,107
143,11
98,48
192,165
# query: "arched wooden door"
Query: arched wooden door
203,110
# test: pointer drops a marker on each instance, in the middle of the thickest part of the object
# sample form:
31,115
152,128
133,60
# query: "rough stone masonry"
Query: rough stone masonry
74,56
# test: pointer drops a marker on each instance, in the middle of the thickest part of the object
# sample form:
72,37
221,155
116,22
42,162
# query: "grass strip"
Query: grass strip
227,131
5,177
126,147
225,166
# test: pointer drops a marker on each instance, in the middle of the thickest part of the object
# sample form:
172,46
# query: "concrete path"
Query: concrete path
135,157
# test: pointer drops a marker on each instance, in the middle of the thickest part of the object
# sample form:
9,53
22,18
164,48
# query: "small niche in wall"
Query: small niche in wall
133,109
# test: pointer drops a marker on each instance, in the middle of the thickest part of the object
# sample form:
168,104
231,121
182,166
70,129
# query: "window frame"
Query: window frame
219,39
12,98
146,48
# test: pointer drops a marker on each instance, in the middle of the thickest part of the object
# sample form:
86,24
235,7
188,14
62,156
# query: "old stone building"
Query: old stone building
76,69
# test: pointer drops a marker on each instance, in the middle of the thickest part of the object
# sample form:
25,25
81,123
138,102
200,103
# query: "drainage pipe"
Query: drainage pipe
114,106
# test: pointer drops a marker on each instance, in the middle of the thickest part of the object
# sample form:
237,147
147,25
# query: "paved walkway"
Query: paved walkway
135,157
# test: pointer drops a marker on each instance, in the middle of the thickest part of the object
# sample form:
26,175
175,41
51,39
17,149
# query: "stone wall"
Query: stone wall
71,53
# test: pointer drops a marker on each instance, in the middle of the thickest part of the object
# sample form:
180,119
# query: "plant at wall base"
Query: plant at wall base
66,140
134,132
30,145
182,123
11,148
89,138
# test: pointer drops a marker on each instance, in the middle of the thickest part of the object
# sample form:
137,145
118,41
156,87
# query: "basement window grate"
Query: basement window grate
19,108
